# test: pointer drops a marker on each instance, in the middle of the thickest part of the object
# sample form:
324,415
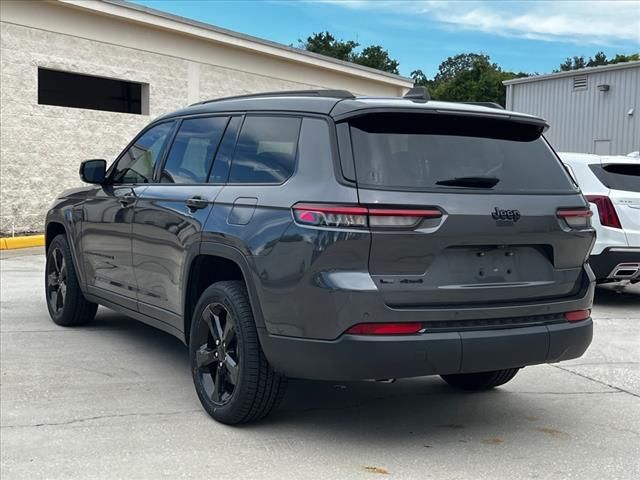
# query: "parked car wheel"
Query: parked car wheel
65,301
480,381
232,377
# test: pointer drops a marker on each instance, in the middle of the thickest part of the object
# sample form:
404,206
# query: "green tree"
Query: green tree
325,43
453,66
377,57
373,56
600,58
468,77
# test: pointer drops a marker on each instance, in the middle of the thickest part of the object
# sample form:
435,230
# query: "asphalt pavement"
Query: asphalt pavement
115,400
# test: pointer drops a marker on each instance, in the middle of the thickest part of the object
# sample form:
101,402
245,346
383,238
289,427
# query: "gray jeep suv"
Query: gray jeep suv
319,235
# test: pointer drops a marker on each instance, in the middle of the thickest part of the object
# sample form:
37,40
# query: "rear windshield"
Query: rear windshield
618,176
422,151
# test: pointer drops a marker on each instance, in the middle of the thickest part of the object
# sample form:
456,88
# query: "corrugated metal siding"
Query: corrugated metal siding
579,118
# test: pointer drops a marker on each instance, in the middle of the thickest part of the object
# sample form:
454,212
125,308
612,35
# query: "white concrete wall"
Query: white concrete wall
42,146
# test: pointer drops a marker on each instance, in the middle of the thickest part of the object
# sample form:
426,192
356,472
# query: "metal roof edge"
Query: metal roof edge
242,40
571,73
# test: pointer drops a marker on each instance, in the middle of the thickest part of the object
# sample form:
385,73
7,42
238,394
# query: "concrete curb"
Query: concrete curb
11,243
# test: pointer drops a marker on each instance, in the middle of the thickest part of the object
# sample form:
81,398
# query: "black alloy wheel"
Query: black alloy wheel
56,281
65,301
232,377
217,356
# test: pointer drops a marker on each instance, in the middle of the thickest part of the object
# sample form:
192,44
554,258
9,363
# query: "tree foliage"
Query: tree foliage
373,56
600,58
325,43
466,77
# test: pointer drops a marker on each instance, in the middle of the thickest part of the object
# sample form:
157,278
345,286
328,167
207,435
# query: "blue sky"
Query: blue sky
530,36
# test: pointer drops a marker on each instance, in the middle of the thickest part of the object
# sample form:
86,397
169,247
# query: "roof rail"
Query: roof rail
285,93
485,104
419,94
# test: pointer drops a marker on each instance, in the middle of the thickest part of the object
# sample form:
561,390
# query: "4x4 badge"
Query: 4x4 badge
506,214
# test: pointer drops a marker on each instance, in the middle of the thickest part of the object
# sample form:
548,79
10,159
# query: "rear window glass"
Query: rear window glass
422,151
618,176
266,150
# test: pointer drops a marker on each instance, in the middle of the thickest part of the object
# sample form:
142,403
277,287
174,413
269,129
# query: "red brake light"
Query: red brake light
577,315
385,329
575,217
328,215
606,211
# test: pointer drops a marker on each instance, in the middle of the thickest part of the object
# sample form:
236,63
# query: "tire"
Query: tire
65,301
242,387
480,381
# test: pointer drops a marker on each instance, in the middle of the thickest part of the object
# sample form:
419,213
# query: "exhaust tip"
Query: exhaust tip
625,271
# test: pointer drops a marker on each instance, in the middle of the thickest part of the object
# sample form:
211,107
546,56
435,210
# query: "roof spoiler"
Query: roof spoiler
418,94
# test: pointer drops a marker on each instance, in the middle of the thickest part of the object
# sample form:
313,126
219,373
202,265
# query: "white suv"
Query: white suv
612,186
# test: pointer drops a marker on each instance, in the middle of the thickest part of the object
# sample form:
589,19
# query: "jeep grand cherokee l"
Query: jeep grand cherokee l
320,235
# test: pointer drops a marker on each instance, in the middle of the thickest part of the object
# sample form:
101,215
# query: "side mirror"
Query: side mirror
93,171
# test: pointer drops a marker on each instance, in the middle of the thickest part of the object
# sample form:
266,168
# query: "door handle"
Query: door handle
196,203
127,199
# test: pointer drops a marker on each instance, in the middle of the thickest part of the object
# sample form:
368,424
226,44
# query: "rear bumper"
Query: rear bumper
604,265
357,357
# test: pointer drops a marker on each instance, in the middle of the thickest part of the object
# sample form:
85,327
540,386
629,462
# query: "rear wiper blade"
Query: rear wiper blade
479,182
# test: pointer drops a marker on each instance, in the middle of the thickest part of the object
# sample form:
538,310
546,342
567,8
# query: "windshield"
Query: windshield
435,152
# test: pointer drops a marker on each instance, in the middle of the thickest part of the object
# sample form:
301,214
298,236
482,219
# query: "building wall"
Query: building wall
41,146
586,121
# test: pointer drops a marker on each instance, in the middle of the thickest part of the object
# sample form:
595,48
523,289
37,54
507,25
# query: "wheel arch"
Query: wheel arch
214,263
53,229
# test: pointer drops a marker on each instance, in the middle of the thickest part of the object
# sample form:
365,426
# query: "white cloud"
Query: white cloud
593,22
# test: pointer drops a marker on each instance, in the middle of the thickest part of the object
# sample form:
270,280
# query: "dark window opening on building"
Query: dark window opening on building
65,89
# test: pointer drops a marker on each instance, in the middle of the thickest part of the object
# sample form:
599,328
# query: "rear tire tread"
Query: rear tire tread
263,388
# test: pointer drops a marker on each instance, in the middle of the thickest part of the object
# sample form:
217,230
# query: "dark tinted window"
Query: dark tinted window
220,171
193,149
66,89
618,176
266,150
419,151
137,163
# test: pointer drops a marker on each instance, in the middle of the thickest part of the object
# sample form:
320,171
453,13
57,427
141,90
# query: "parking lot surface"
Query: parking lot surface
115,400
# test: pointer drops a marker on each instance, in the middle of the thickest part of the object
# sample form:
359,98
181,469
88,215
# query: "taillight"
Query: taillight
385,329
577,315
606,211
575,217
349,216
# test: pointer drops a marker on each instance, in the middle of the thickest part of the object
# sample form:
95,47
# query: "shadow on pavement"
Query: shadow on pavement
422,412
617,295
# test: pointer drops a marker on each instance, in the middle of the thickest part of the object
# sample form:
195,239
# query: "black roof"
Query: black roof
341,104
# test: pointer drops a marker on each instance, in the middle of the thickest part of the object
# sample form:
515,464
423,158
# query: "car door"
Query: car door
108,213
170,213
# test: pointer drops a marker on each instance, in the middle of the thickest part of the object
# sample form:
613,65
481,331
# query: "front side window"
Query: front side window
137,163
193,149
266,150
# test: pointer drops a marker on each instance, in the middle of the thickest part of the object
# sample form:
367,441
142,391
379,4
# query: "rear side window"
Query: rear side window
427,152
193,149
618,176
266,150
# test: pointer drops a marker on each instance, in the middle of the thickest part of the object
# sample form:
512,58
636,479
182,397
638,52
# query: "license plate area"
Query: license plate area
493,264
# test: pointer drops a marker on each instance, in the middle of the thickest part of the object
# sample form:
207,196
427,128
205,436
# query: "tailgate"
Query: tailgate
499,188
469,257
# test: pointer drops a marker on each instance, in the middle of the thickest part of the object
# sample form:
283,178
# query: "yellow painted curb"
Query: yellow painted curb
10,243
